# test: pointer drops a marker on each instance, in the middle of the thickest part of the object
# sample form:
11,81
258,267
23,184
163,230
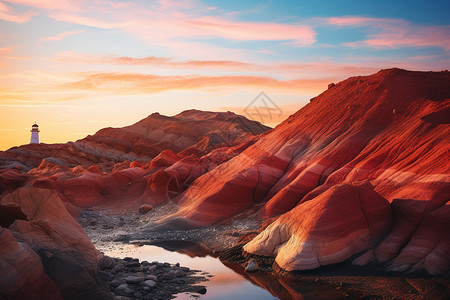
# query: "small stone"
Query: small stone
202,290
146,288
180,273
151,277
133,265
115,283
106,262
166,276
123,290
128,258
145,208
252,266
145,263
138,294
93,221
151,269
149,283
160,266
185,269
134,279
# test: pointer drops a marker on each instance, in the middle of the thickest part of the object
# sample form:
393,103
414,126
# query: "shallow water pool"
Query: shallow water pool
224,282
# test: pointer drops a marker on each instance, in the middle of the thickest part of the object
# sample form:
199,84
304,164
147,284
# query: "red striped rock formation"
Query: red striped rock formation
389,128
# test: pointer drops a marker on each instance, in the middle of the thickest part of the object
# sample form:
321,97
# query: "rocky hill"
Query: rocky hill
363,167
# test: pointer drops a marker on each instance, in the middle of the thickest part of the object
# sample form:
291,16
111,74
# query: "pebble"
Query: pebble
123,288
149,283
151,277
252,266
107,262
134,279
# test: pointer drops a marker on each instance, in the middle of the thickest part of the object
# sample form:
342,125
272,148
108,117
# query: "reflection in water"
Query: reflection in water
228,281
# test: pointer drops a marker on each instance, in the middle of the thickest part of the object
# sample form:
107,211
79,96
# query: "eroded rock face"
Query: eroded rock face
348,133
343,221
375,128
45,253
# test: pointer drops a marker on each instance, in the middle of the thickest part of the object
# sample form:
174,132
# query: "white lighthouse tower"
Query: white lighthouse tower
34,134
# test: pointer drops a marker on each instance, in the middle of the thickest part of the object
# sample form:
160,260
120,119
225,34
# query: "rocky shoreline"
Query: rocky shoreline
108,231
129,278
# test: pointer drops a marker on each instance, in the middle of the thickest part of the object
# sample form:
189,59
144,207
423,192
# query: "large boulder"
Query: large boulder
341,222
46,249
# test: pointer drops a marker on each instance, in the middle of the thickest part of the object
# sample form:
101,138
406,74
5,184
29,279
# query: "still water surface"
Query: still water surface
225,283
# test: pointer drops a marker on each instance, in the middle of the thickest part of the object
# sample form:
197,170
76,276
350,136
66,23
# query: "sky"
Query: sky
76,66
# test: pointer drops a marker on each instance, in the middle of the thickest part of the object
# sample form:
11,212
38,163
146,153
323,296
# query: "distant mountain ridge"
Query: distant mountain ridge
192,131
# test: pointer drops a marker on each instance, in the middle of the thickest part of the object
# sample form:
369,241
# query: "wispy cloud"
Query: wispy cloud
319,69
67,5
62,35
18,57
8,14
230,29
5,50
395,33
145,83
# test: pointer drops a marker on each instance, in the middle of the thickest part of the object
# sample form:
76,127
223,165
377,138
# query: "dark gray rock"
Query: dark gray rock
149,283
134,279
106,262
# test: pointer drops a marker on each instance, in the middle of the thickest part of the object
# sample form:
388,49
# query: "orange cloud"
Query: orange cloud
149,61
145,83
18,57
62,35
5,50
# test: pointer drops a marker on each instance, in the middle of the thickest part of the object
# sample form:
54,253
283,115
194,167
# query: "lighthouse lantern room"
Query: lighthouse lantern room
34,134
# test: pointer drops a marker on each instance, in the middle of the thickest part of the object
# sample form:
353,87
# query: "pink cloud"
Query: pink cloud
317,70
87,21
7,14
349,20
62,35
66,5
235,30
394,33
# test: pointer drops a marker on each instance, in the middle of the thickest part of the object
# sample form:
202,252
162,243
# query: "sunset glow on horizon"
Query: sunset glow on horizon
75,67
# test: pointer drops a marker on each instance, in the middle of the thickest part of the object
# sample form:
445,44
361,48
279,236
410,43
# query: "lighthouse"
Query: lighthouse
34,134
